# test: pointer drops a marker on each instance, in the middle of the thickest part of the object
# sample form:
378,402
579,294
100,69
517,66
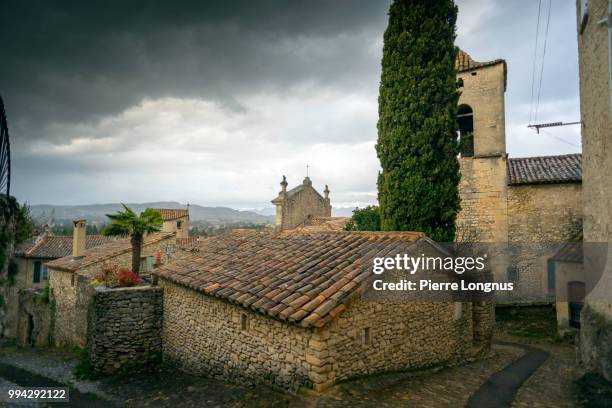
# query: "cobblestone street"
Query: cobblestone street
550,386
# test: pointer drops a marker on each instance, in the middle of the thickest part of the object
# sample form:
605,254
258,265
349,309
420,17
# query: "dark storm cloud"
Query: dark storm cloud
211,102
81,61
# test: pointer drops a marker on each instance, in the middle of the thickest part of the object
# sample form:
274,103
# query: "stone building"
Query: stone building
176,220
286,309
522,204
594,46
32,275
296,206
70,281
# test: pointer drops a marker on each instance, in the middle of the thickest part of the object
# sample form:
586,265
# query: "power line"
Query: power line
535,59
558,138
543,59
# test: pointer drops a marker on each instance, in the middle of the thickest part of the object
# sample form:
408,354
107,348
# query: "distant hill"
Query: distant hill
96,213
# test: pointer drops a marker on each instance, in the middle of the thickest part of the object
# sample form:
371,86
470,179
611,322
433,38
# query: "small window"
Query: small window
512,273
146,264
458,310
465,119
72,280
37,269
474,73
179,224
365,338
244,322
551,275
45,272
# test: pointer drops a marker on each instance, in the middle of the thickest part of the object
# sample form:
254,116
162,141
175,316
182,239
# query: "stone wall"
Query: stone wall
372,337
596,116
125,327
483,192
540,218
72,294
208,336
35,319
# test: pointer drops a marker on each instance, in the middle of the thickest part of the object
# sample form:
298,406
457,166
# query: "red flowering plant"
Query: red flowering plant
113,276
127,278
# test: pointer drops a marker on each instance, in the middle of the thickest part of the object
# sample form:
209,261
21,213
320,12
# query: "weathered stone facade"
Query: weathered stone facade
125,327
296,206
36,318
204,335
496,209
540,218
596,116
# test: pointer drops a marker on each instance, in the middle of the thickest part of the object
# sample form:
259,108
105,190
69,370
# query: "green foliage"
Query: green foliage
45,293
364,219
127,223
24,228
53,313
417,140
84,370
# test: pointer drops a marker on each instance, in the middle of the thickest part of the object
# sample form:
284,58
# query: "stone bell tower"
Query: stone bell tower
295,206
483,159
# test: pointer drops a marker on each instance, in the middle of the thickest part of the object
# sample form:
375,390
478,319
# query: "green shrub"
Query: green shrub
84,370
364,219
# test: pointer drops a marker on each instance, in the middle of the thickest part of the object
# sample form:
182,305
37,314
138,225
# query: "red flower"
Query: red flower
127,278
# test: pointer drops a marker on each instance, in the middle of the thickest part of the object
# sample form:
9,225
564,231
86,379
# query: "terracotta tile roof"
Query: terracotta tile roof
103,252
546,169
169,214
51,247
322,224
300,278
463,63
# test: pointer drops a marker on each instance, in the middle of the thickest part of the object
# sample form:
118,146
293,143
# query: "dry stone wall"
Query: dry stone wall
125,327
208,336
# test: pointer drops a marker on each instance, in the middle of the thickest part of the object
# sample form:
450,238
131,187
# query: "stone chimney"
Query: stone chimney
79,235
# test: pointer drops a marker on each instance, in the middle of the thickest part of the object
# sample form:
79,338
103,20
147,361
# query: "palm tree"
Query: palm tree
127,223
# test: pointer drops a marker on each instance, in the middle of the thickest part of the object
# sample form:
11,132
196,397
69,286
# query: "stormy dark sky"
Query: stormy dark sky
212,102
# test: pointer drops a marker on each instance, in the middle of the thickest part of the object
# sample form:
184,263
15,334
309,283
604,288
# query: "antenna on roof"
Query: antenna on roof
307,170
537,127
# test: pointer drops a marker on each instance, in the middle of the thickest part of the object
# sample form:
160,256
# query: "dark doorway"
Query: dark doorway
31,341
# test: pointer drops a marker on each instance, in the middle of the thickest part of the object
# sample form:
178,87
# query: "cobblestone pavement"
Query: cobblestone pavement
550,386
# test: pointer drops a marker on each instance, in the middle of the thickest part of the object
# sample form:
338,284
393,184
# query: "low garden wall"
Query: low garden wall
125,327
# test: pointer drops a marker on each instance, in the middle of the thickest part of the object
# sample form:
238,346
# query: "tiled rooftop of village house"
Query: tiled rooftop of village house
546,169
297,277
169,214
102,252
51,247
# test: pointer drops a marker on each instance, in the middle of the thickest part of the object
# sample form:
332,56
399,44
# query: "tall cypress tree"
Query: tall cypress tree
417,106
